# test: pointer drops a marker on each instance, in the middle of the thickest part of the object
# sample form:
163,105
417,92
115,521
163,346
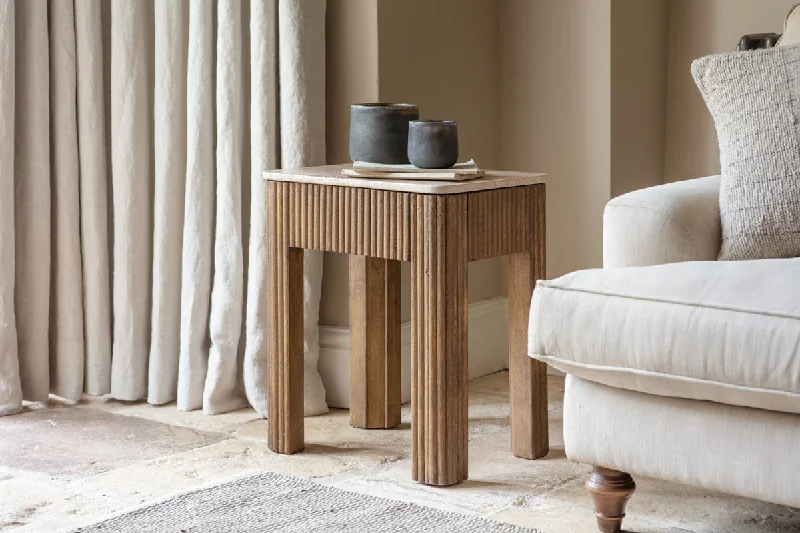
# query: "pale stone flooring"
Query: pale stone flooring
63,467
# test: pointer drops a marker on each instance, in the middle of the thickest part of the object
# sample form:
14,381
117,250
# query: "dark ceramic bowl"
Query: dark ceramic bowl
433,143
379,132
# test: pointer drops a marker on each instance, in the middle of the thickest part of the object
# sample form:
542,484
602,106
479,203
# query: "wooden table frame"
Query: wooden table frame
439,234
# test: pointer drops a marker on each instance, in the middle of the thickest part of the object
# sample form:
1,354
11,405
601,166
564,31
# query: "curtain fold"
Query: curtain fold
32,198
221,391
93,196
66,305
263,155
198,240
134,264
133,209
169,152
10,386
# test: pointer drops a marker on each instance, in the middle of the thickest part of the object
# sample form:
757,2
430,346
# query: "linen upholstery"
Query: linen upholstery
791,28
742,451
722,331
754,98
663,224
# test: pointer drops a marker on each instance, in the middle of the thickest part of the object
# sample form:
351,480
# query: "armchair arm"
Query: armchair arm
664,224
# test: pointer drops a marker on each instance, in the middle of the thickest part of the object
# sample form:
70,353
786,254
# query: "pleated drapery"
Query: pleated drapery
133,135
169,156
10,388
94,187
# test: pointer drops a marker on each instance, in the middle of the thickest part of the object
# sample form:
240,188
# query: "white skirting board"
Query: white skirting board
488,351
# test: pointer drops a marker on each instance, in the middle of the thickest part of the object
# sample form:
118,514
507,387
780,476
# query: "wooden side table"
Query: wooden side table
438,227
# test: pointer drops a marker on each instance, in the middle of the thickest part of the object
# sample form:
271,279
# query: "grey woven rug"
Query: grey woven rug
274,503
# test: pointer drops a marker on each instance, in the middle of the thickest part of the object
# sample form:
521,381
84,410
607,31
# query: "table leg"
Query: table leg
527,377
285,320
439,414
374,342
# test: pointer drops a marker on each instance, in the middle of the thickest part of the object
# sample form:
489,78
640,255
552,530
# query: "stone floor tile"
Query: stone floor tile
81,442
169,414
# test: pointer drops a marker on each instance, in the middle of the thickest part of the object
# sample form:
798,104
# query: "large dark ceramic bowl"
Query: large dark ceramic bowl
379,132
433,143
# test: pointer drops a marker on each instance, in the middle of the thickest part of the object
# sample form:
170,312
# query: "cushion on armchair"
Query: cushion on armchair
728,332
754,98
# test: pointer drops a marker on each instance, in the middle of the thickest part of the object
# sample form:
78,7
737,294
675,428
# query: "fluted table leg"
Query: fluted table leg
374,342
285,344
439,340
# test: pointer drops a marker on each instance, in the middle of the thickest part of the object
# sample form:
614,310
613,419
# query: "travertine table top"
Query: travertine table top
332,175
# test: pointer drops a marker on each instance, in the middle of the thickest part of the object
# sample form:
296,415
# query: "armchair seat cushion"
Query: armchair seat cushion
727,332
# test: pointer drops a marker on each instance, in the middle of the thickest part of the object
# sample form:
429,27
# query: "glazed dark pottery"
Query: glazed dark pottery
379,132
433,143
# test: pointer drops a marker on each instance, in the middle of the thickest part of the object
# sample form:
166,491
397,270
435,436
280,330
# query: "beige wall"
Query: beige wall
443,55
583,98
555,116
638,93
440,55
351,56
698,28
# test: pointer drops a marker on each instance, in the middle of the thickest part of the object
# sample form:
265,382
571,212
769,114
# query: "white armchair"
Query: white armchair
665,224
680,367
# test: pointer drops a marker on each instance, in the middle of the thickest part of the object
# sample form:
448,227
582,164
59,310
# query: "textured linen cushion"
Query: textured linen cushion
754,98
714,330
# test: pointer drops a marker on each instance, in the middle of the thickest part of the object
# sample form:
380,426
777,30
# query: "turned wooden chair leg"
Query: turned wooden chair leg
610,491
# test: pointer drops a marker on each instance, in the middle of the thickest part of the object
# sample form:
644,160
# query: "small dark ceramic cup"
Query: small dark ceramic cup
379,132
433,143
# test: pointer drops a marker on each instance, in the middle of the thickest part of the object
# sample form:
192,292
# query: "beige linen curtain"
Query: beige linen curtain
133,135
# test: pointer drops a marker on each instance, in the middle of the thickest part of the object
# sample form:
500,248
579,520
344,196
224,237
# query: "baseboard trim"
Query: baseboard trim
488,350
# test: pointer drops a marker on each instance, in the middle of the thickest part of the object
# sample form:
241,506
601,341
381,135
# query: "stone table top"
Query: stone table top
332,175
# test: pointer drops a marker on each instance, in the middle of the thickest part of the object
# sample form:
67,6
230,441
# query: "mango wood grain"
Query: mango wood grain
374,342
527,377
285,324
439,234
351,221
439,349
501,222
